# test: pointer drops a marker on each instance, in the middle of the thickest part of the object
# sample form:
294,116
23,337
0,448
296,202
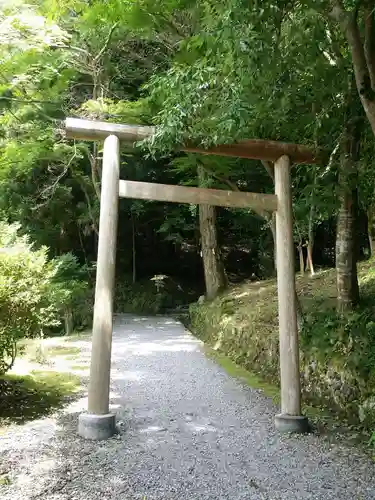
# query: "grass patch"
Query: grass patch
41,352
322,420
25,398
63,350
82,366
80,337
245,376
4,480
47,381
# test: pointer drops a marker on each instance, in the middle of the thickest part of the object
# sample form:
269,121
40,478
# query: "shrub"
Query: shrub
33,291
151,296
138,298
74,297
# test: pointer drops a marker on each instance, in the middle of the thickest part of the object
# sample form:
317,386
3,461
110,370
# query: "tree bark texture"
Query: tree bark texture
363,53
310,241
310,262
346,237
68,320
214,272
371,230
301,260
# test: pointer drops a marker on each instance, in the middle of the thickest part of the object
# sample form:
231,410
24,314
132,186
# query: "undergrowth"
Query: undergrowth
151,296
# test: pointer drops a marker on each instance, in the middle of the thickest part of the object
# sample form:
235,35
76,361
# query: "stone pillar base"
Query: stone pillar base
292,423
96,427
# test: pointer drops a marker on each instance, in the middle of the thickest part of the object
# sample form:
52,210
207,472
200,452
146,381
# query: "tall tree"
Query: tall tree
347,234
214,272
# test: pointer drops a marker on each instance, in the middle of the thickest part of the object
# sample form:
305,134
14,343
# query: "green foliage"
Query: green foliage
140,298
39,390
73,293
352,337
244,376
204,71
151,296
33,291
132,112
243,75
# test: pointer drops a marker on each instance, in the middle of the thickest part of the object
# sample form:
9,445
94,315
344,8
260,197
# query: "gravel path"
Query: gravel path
187,431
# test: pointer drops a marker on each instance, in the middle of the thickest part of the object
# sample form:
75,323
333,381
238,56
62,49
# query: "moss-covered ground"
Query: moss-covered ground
337,353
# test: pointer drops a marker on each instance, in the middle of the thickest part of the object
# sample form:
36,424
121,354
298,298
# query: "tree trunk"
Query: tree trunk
270,169
346,266
310,262
355,205
310,242
371,230
372,245
68,320
346,237
301,260
214,271
300,315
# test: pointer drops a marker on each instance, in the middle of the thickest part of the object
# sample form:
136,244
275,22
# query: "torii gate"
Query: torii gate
98,422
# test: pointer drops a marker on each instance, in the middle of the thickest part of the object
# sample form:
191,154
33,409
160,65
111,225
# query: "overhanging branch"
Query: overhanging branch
106,43
369,45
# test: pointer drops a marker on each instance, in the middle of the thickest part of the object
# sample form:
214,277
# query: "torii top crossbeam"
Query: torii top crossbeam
257,149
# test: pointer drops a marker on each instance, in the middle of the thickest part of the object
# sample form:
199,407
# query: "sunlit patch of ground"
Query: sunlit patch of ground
48,374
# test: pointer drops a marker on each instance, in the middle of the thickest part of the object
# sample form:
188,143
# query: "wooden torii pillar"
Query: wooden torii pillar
98,422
